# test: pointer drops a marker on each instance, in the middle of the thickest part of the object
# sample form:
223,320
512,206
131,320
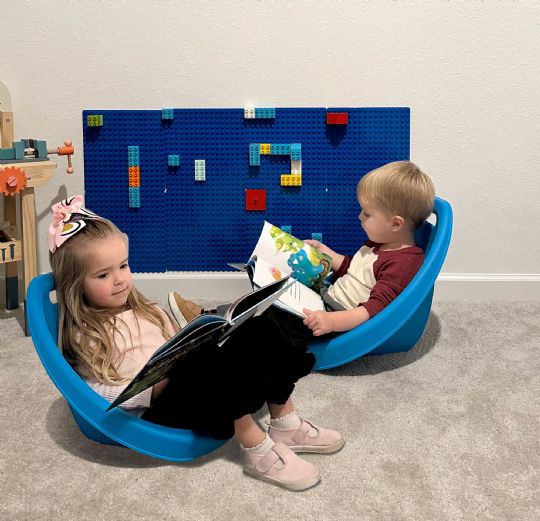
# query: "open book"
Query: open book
278,254
200,330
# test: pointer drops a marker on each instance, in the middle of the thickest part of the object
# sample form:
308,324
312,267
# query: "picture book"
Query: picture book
277,254
202,329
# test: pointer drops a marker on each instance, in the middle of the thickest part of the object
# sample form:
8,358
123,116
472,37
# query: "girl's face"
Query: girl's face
108,280
377,223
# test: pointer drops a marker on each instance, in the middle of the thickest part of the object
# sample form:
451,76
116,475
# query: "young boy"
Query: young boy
395,200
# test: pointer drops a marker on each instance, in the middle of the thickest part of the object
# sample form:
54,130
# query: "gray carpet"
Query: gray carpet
448,431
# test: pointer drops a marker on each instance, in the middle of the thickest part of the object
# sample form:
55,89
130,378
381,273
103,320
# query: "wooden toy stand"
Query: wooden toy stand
37,174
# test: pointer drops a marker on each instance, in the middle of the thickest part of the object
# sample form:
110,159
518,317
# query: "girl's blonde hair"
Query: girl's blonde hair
400,188
86,332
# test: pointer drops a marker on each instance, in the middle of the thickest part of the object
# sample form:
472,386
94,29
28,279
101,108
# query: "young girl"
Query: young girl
108,331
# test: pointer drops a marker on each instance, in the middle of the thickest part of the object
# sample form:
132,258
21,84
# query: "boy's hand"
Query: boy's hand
320,322
337,258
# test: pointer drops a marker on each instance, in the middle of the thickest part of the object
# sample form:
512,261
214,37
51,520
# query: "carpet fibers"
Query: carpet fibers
447,431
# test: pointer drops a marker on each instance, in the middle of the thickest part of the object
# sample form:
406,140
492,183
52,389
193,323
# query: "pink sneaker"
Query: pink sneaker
281,466
308,438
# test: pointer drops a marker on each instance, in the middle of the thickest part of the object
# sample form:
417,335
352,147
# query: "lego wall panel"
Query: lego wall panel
193,216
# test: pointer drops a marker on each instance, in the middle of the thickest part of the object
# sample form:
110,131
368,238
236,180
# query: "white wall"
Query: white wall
468,70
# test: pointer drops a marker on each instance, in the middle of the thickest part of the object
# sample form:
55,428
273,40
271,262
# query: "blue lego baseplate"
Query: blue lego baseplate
189,225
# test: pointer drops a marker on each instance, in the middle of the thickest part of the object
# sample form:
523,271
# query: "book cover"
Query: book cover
205,328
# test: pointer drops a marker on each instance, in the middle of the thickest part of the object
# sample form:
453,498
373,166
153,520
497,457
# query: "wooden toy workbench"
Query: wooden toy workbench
18,179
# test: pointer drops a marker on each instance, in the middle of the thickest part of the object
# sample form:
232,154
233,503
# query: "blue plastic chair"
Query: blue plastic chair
116,427
400,325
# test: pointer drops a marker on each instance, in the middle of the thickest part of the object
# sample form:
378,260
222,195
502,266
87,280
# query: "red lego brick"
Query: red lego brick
337,118
255,200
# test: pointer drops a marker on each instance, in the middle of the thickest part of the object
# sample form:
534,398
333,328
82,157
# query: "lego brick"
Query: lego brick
291,180
134,197
249,113
134,176
94,120
316,236
296,167
167,114
264,148
265,113
254,154
287,228
280,149
133,155
296,151
199,212
337,118
255,200
173,160
200,170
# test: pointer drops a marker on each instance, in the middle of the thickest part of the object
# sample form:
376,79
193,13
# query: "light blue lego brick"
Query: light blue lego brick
133,155
134,197
296,151
316,236
280,149
265,113
167,114
254,154
287,228
173,160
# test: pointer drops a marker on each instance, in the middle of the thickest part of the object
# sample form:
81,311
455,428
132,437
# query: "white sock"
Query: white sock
262,447
288,422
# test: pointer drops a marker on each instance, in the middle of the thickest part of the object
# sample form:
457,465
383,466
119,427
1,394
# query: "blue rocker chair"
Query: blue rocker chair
400,325
115,427
397,328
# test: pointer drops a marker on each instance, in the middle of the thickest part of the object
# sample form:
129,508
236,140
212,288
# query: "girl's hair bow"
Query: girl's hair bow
68,219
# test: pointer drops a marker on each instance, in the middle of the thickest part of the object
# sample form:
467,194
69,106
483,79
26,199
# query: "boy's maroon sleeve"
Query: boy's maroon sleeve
392,276
344,268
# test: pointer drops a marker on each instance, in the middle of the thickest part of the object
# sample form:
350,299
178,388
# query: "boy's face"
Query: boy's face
378,224
108,280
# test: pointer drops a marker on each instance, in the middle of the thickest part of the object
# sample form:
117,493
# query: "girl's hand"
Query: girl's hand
320,322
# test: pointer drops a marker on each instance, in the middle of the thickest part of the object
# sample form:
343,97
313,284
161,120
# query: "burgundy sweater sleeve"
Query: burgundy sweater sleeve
344,268
393,270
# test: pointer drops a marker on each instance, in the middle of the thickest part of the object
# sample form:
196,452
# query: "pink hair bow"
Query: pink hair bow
68,219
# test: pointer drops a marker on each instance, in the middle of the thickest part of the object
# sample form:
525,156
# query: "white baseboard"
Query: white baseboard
449,286
488,286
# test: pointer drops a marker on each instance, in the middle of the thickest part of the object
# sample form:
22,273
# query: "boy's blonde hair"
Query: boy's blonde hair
400,188
86,332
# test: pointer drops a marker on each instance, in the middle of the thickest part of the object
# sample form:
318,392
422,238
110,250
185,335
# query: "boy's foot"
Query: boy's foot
183,310
282,467
308,438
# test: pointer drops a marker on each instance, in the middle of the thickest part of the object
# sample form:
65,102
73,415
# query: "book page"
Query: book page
296,297
256,302
292,256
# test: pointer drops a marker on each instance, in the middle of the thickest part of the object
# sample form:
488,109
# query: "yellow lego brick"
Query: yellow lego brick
296,180
285,180
264,148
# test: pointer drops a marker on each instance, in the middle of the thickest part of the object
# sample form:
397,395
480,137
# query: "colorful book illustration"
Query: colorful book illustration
202,329
278,254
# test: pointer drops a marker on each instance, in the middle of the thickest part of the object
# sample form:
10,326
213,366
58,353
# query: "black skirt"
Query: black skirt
213,386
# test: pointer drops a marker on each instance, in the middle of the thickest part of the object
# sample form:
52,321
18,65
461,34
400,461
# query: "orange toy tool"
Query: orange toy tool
66,150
